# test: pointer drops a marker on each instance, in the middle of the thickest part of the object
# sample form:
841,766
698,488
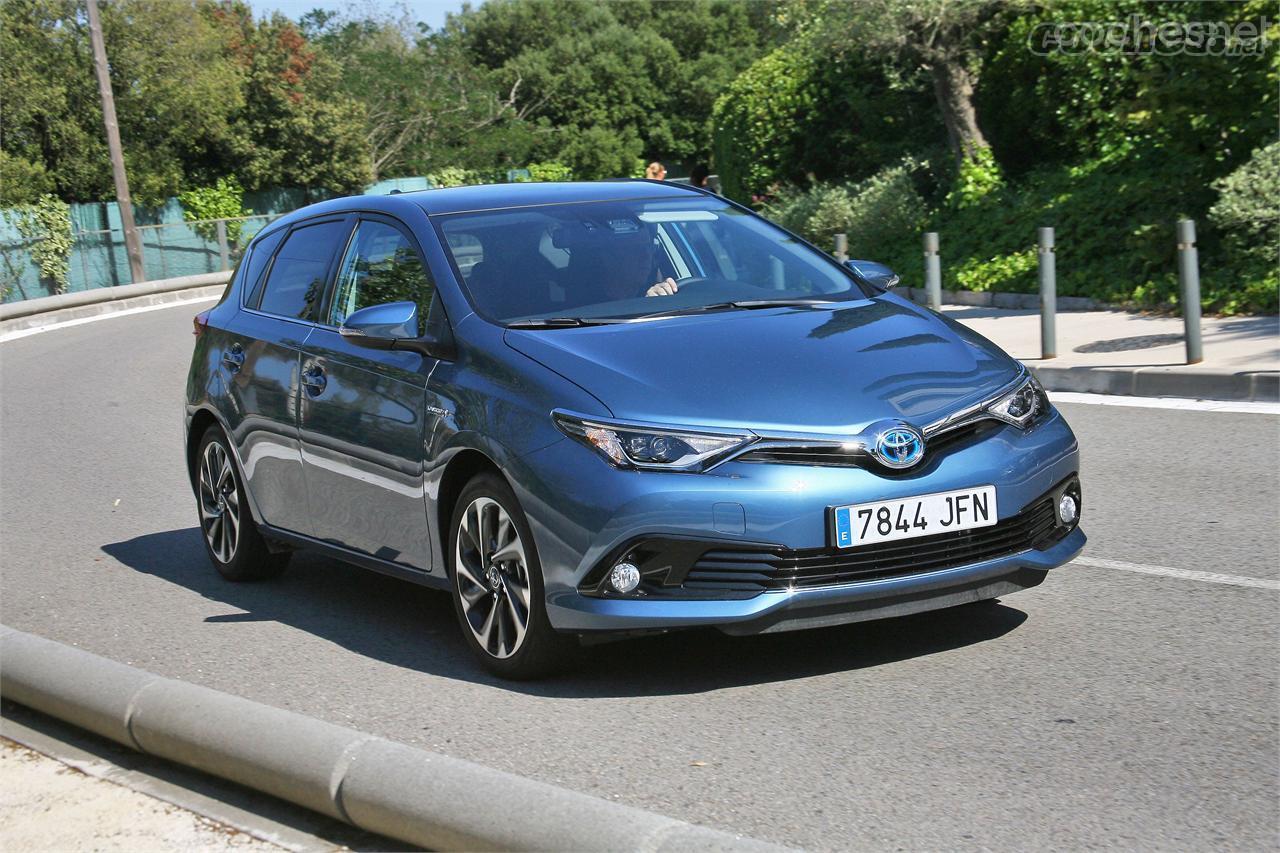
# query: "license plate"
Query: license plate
923,515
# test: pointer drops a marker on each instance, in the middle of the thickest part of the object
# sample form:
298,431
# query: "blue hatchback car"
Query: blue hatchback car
613,408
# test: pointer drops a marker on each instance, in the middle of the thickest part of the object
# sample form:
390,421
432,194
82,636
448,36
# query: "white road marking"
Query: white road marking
1165,403
80,321
1185,574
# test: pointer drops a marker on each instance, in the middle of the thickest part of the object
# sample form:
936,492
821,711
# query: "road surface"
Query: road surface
1106,707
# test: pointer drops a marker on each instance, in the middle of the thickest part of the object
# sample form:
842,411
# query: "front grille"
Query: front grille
838,456
757,570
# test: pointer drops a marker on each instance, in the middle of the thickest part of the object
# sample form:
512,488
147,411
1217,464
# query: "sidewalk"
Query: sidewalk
46,805
1116,352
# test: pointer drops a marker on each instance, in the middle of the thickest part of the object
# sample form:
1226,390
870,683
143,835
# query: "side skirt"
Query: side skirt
277,537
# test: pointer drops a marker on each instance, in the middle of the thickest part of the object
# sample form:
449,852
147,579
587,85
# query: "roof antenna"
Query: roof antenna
395,191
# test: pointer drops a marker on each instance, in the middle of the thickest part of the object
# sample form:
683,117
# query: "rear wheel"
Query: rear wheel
235,547
497,584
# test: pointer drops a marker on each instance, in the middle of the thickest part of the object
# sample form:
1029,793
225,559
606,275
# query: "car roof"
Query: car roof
490,197
497,196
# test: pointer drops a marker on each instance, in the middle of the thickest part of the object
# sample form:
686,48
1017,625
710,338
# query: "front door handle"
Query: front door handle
313,379
233,359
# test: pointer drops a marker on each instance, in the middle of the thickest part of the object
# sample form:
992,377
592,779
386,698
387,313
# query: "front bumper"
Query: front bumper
786,610
583,512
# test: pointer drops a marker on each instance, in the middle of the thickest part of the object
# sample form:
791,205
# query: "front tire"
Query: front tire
231,539
496,581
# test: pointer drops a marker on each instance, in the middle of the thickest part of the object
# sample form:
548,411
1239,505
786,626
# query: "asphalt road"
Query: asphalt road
1103,708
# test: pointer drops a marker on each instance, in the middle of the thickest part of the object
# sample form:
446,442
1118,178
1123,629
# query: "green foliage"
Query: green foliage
874,214
794,118
46,225
22,181
976,178
296,126
1012,272
597,86
1247,217
1248,208
550,172
202,91
223,200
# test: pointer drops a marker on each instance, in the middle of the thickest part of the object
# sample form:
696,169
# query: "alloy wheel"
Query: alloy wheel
492,576
219,502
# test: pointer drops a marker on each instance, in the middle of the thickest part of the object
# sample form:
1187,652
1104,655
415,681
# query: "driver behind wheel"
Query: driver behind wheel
612,260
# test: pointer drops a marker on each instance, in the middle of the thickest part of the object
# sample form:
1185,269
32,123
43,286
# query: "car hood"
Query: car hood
825,370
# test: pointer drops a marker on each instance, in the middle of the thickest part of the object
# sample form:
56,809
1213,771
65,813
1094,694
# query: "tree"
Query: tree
599,85
942,38
296,126
174,96
424,103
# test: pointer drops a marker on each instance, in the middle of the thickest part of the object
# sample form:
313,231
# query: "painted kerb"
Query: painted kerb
420,797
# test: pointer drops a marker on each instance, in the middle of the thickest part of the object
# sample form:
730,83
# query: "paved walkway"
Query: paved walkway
46,805
1125,353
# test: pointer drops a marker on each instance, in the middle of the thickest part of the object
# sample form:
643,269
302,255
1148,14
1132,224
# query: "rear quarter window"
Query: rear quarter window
255,262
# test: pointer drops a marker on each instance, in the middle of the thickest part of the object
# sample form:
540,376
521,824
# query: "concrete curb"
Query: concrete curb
994,299
420,797
1201,384
103,300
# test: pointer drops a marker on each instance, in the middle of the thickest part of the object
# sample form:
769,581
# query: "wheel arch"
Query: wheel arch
461,468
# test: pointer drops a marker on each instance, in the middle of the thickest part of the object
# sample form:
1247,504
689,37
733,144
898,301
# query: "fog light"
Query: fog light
624,577
1067,509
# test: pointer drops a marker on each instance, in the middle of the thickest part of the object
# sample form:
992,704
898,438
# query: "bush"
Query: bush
792,118
46,225
223,200
881,216
1247,212
550,172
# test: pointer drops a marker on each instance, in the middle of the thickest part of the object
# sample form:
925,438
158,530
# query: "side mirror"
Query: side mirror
394,325
874,274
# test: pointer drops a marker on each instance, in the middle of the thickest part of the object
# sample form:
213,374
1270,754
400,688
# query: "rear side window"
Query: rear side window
256,262
295,284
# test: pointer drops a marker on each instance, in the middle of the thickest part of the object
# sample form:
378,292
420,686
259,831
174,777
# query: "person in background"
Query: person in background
698,177
655,171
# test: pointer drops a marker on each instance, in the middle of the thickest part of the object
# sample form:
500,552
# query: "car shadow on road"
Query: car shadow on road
410,626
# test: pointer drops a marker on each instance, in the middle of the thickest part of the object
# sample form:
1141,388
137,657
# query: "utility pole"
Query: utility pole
133,246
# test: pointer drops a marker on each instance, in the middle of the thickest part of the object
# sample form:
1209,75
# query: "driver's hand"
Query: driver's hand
663,288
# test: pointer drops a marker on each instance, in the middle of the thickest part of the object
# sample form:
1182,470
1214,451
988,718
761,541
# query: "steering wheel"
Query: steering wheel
691,279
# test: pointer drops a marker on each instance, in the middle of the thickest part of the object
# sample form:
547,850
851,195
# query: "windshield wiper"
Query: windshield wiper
742,304
559,322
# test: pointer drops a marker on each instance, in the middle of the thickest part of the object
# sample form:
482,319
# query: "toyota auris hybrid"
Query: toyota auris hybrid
593,409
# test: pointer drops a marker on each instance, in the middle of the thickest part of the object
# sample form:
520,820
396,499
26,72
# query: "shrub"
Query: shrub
881,216
223,200
1247,212
793,118
550,171
46,224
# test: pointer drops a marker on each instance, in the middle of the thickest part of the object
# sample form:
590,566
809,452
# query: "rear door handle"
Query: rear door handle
233,359
314,381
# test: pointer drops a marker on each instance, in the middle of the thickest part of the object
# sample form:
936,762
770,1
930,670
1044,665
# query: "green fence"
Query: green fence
171,247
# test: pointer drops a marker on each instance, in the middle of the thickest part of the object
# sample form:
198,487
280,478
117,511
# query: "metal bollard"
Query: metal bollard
1048,295
842,248
932,270
224,251
1189,278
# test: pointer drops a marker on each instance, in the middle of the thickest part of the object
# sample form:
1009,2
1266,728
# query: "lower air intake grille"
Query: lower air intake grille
726,570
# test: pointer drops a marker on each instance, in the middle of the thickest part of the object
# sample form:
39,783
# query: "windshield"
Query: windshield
632,259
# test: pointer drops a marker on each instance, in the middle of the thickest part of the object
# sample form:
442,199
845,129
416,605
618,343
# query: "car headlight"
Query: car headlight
627,445
1023,405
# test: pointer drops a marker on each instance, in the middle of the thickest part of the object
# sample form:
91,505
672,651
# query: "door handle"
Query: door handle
233,359
313,379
